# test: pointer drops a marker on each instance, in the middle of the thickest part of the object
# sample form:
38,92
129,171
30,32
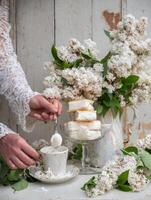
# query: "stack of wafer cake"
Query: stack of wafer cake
85,125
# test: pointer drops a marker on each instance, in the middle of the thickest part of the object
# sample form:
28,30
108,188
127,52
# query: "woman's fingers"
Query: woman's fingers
45,116
17,152
27,149
59,108
11,164
18,163
48,106
36,115
25,158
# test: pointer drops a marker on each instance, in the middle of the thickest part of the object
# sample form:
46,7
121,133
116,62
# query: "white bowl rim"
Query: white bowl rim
59,152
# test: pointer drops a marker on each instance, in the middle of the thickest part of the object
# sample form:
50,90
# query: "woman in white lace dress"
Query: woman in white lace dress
23,101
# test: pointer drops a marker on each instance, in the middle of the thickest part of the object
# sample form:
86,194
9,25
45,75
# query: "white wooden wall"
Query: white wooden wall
37,24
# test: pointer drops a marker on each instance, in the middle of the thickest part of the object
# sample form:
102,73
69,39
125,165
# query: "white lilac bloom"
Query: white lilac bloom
130,52
62,52
83,82
141,25
92,46
98,67
50,66
144,143
107,179
129,55
74,46
52,92
104,183
120,164
137,180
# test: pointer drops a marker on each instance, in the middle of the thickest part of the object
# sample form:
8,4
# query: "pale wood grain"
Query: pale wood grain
35,35
100,24
140,8
73,19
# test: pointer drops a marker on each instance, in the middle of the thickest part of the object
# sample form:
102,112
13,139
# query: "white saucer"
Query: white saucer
72,171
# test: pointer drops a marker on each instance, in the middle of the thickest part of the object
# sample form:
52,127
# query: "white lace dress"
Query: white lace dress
13,83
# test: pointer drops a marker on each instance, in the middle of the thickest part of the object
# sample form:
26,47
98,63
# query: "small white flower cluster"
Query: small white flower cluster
144,143
129,57
71,52
110,172
107,180
137,180
76,82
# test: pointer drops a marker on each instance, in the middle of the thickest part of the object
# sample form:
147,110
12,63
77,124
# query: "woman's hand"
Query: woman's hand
17,152
44,109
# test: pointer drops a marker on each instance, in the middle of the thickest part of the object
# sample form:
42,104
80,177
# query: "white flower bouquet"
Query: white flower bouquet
128,172
121,78
75,73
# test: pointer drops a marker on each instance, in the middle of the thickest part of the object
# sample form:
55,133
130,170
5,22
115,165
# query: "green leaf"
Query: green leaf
105,110
122,178
77,152
90,184
55,55
86,56
14,175
60,63
130,80
99,109
77,62
125,188
122,182
131,149
90,54
4,169
105,59
148,150
105,69
125,152
5,181
107,33
139,163
20,185
146,158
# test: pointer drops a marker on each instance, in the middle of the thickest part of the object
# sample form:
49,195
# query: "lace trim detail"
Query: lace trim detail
4,130
13,83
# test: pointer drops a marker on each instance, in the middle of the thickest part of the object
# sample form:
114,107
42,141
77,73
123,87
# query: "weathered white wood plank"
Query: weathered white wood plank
140,8
105,16
35,35
73,19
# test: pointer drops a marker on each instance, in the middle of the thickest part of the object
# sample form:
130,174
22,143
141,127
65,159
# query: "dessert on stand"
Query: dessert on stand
84,128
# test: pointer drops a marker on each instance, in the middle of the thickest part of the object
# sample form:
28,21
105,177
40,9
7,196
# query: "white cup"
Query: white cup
55,159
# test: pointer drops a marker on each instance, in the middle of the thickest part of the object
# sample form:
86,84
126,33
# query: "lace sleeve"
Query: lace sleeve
13,83
4,130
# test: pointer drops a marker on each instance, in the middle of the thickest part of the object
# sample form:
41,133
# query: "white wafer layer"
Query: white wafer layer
85,134
76,125
83,104
85,115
